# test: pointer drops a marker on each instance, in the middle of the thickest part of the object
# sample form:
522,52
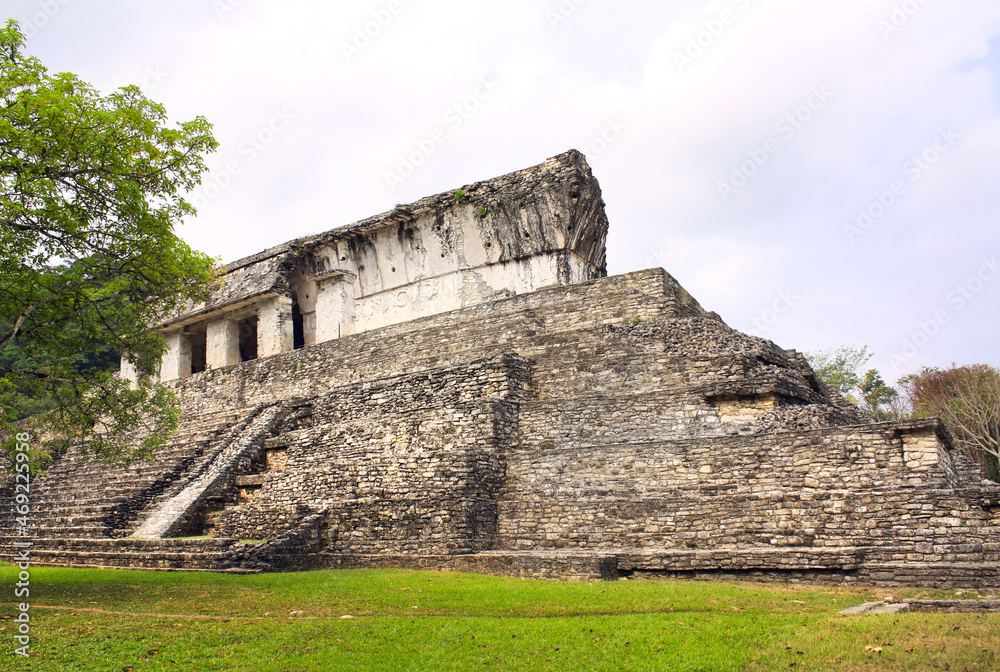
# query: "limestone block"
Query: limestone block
177,359
222,344
127,371
921,450
334,308
274,327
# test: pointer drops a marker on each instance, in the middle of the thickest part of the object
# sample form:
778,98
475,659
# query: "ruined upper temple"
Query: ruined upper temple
456,384
540,227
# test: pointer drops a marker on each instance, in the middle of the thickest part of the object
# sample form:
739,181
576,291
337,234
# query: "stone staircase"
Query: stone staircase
192,554
176,508
82,506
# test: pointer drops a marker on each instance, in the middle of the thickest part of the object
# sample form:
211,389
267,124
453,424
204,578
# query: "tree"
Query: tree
881,402
967,399
840,368
91,188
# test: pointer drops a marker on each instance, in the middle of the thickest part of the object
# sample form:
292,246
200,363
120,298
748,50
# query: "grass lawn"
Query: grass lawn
402,620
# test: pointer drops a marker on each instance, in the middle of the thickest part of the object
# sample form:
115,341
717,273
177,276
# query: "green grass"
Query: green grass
403,620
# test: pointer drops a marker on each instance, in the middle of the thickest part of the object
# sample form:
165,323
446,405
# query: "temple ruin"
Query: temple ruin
456,384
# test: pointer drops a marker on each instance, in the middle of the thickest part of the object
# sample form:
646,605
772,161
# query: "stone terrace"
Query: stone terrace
454,384
600,429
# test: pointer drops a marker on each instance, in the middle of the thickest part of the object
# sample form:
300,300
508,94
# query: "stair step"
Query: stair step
79,497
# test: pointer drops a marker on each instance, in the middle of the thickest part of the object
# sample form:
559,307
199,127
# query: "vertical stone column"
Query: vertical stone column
334,308
129,373
925,457
274,327
222,344
309,328
177,359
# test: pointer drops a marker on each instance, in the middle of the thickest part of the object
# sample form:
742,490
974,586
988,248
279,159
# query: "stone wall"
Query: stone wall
607,428
826,488
408,464
455,384
530,325
669,432
539,227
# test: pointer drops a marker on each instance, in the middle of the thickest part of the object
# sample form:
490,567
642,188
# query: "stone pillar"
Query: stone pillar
177,359
222,346
128,372
309,328
275,333
334,308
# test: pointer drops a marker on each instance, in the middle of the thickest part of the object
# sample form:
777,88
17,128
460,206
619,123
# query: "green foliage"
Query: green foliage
483,211
967,399
880,401
458,195
636,320
406,620
91,188
841,369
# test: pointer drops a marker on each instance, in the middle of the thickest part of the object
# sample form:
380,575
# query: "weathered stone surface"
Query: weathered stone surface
514,234
955,606
926,606
595,428
173,515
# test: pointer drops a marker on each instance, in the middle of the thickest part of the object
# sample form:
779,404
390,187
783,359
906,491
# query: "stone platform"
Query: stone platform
590,428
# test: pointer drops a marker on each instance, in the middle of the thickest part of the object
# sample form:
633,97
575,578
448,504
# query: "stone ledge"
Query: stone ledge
596,565
955,606
926,606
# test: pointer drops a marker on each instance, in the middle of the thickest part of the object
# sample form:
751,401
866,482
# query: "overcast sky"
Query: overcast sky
819,173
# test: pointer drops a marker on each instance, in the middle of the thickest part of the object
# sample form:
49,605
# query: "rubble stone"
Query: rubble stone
542,421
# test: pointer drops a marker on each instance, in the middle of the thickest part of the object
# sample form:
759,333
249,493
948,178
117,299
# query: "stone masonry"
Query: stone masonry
456,385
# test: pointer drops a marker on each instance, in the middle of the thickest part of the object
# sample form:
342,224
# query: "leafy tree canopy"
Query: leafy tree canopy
842,369
967,399
91,187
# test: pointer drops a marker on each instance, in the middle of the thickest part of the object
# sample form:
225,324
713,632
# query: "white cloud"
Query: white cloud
559,86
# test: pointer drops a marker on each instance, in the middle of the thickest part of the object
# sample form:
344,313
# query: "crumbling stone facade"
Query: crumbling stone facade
535,228
535,419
